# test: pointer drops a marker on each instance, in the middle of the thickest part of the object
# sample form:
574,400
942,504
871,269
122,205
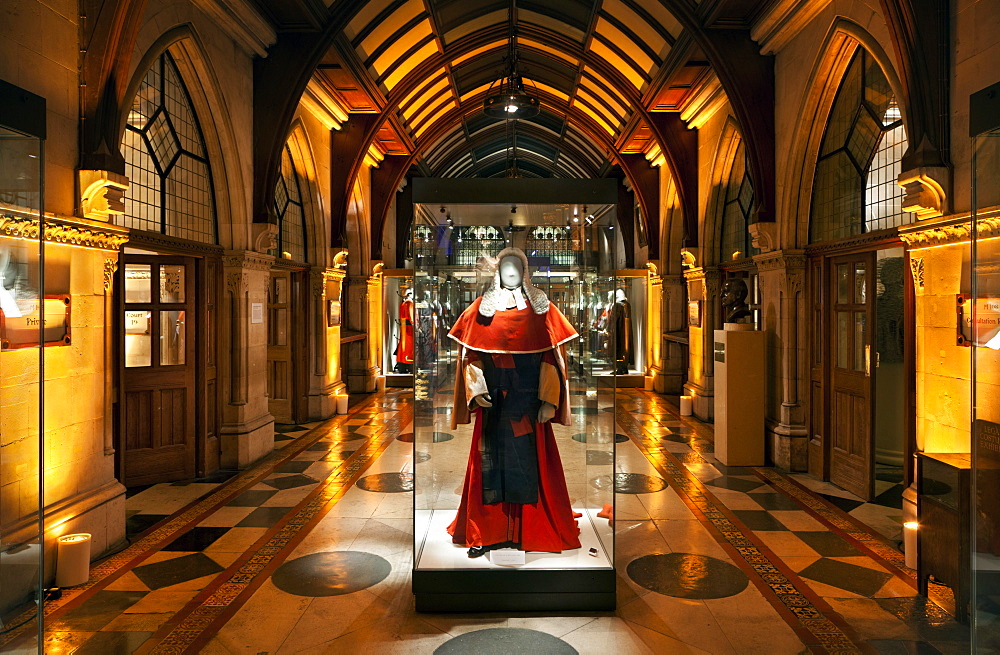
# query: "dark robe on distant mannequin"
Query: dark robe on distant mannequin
620,327
515,490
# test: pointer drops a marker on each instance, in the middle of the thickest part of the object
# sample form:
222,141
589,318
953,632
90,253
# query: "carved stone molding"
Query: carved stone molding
690,257
265,237
340,259
924,193
780,259
955,230
764,236
60,231
102,194
110,268
317,282
237,282
247,260
713,282
917,272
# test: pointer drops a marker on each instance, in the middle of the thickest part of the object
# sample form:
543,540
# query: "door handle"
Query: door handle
868,360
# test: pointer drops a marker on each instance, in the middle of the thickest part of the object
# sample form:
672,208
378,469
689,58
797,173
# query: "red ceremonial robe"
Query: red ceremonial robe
404,355
546,525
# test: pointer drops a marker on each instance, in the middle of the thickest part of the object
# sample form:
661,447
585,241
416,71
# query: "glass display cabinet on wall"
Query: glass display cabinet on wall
24,306
982,333
398,327
513,413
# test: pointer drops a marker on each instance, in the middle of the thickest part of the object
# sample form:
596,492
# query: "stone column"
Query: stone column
781,276
670,370
324,344
247,430
703,285
360,370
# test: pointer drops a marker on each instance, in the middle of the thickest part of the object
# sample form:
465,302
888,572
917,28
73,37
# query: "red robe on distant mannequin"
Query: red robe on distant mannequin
404,352
515,489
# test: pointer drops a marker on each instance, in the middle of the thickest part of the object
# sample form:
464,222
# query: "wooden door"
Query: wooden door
851,295
280,360
157,435
818,371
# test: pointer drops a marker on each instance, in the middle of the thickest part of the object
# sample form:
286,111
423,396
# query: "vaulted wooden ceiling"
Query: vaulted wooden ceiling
598,66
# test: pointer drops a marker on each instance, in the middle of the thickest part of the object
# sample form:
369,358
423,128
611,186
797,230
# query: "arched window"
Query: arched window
855,190
288,207
734,242
170,182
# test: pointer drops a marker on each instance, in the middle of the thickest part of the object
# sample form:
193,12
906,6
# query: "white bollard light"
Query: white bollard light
342,403
73,559
686,405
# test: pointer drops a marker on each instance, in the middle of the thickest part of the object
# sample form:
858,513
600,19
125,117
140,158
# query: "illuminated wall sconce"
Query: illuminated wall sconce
73,559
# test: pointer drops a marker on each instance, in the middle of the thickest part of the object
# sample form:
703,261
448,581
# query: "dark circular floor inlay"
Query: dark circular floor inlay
686,575
406,437
331,573
599,458
676,438
501,641
442,436
631,483
387,482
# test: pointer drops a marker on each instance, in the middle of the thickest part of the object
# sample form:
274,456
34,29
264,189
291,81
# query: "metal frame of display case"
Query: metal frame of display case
513,589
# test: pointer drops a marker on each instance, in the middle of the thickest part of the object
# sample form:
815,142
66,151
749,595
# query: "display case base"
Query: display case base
399,379
517,590
627,380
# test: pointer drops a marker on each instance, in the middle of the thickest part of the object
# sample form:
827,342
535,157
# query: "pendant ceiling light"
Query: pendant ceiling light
507,98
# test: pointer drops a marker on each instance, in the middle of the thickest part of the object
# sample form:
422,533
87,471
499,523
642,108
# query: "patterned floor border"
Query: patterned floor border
819,627
200,620
855,532
156,537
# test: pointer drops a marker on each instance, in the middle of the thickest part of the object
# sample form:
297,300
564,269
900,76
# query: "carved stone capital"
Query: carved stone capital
247,259
317,282
265,237
917,273
102,194
764,235
110,268
780,260
237,282
924,190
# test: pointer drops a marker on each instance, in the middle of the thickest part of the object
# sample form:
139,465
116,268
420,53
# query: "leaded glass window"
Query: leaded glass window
471,242
288,208
855,188
734,243
170,182
554,242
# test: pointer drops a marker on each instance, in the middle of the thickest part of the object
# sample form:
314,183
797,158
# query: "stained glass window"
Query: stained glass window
170,182
288,208
734,241
855,188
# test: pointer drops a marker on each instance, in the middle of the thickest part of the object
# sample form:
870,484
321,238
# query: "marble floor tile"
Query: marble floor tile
227,517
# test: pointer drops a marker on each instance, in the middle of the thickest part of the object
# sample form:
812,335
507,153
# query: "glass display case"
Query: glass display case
398,328
22,320
983,331
514,436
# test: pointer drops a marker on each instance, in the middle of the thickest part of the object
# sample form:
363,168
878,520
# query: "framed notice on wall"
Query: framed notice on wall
694,313
978,323
20,322
332,313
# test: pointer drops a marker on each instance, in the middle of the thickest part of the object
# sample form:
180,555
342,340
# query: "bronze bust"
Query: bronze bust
734,294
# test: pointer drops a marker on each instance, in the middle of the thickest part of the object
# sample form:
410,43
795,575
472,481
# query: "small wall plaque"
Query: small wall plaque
986,331
720,352
332,313
257,312
20,322
694,313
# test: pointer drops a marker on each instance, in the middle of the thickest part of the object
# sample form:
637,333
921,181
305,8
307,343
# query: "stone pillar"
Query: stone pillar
247,430
360,370
703,285
781,275
671,369
324,344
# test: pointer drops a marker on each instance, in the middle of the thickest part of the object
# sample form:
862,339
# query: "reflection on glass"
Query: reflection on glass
280,291
171,283
860,283
279,326
842,284
172,337
860,342
138,283
138,340
842,337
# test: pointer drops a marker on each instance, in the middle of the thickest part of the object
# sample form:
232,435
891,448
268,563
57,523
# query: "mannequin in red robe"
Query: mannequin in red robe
512,377
404,349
